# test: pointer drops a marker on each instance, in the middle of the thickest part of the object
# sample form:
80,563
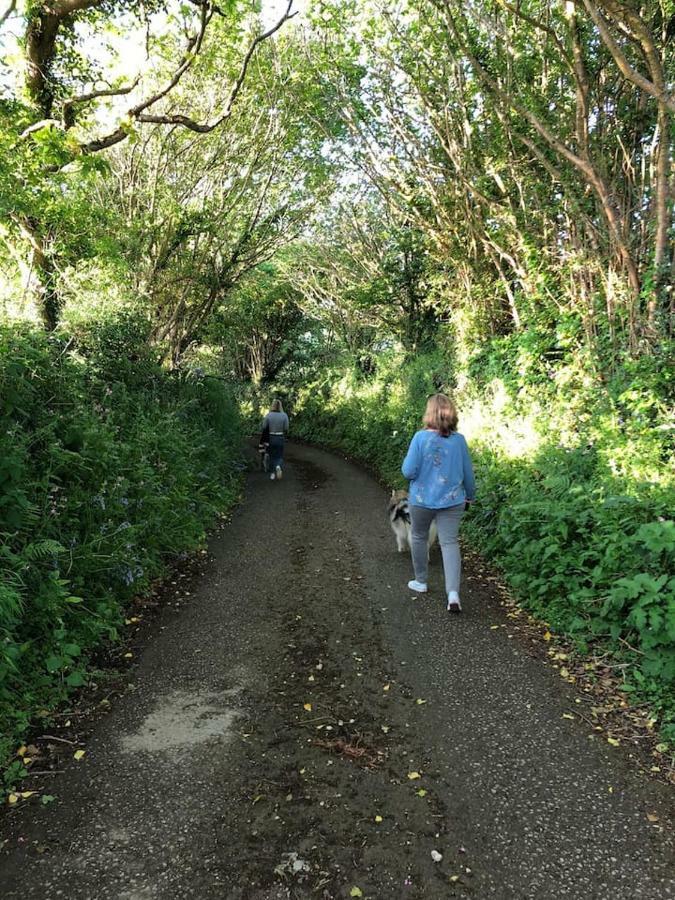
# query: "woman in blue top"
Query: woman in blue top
439,469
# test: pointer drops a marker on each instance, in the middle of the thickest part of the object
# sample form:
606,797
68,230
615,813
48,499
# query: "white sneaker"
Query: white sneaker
454,605
272,476
418,586
279,472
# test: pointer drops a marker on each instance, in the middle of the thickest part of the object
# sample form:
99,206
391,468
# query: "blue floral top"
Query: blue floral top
439,470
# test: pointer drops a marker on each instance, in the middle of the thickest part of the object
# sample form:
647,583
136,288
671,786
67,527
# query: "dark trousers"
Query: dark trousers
276,451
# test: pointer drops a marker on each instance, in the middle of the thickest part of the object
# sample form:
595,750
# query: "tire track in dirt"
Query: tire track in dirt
329,746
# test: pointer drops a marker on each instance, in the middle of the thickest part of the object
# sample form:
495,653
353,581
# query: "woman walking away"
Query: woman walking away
442,484
277,422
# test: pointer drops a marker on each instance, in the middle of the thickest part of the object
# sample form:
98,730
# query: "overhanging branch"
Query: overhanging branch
139,114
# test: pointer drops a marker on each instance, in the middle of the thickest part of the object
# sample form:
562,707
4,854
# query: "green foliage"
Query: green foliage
581,533
109,467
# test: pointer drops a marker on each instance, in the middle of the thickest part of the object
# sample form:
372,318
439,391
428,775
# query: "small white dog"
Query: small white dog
399,519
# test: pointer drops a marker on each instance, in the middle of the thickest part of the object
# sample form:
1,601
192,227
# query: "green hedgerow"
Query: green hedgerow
109,466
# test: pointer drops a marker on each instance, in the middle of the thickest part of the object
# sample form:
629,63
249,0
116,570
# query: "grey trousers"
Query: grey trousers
447,523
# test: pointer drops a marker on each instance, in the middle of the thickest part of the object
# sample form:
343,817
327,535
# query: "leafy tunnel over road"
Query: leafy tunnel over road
305,728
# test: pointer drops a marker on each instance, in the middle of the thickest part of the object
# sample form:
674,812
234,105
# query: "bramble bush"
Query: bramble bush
575,487
109,467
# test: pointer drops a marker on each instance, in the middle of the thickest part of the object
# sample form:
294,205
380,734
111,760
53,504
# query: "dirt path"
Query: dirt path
268,748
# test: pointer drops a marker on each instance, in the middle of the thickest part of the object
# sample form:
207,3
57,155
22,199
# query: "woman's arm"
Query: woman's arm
411,463
469,478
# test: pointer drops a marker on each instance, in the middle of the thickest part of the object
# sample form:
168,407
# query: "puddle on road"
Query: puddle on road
182,720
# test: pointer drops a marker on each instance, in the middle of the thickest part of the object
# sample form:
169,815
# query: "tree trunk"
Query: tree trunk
41,285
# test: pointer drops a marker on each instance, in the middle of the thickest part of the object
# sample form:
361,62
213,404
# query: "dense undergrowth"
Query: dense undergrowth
575,486
109,468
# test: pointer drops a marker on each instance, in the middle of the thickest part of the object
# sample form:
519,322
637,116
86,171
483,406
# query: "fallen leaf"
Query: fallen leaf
420,702
413,775
454,878
568,716
547,635
652,817
47,798
386,687
356,892
613,742
308,707
421,793
22,750
128,655
378,818
13,798
436,856
564,673
78,754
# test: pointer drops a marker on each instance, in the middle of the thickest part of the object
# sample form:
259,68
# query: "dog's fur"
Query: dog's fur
399,519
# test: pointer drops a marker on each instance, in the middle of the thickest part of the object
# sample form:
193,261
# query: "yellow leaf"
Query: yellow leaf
13,798
308,707
386,687
27,794
128,655
492,627
22,750
78,754
613,741
420,702
547,635
27,760
356,892
413,775
378,818
564,673
568,716
454,878
421,793
652,817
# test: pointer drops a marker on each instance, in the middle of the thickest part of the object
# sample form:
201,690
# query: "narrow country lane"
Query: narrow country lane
304,728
